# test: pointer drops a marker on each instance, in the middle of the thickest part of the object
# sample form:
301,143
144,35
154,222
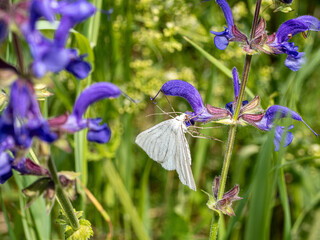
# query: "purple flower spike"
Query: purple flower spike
285,32
222,39
251,113
5,167
190,93
75,121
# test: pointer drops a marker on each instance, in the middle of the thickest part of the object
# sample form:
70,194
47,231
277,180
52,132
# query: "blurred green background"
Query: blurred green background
139,47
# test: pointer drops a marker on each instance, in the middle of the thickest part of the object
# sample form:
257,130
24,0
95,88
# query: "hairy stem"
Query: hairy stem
233,128
62,197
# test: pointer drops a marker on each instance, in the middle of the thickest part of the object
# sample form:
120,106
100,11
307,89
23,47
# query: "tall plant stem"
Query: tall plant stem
62,197
233,128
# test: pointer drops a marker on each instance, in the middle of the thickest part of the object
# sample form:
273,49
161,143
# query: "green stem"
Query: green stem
233,128
227,160
62,197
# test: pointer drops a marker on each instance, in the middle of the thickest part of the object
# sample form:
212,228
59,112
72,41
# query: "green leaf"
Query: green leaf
83,233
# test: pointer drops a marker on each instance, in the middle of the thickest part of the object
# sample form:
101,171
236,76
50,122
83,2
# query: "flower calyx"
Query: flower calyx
223,205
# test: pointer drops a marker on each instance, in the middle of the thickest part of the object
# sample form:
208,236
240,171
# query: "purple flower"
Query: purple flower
286,31
222,39
276,43
42,8
51,55
190,93
75,121
72,12
252,114
22,119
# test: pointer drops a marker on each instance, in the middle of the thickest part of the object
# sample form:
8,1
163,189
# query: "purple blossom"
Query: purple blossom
51,55
22,119
276,43
75,121
190,93
42,8
222,39
72,12
286,31
252,114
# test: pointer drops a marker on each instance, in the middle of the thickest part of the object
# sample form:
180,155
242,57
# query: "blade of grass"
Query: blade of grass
285,205
261,202
125,199
303,214
26,219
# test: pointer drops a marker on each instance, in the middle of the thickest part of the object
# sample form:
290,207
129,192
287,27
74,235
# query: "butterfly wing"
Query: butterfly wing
183,161
159,143
166,144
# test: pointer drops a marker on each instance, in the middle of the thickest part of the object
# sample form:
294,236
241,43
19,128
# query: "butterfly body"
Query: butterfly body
166,144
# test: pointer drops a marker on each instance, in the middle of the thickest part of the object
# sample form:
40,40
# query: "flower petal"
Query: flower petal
99,134
78,67
185,90
42,8
92,94
278,137
275,112
295,63
226,11
5,167
77,11
235,81
295,26
221,42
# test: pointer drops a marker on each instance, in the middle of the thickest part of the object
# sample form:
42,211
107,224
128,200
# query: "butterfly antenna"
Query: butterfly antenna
170,105
153,114
164,111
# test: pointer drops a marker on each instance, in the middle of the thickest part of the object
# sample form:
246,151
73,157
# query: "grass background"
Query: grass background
139,47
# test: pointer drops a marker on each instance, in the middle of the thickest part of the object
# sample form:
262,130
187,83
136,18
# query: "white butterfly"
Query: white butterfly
166,144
